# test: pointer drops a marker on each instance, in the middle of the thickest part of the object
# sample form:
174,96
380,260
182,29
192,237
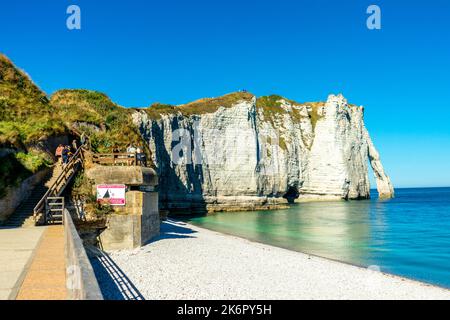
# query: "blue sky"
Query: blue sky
139,52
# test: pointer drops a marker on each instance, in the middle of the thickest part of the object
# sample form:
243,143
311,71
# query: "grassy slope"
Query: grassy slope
106,123
25,113
25,117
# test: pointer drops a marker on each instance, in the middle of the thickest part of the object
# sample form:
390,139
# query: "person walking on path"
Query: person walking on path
83,138
58,152
115,151
69,154
65,155
141,159
74,145
131,150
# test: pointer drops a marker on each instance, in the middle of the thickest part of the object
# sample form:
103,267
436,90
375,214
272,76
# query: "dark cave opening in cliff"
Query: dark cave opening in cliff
291,194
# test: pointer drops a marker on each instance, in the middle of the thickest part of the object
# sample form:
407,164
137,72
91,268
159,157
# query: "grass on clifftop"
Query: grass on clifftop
26,117
201,106
25,113
271,107
106,123
85,106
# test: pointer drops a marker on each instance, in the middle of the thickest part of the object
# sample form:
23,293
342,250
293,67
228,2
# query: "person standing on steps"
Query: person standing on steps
69,154
65,155
141,159
115,151
74,145
58,153
138,156
131,150
83,138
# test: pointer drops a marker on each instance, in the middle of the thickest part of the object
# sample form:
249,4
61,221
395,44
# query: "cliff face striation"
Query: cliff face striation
246,153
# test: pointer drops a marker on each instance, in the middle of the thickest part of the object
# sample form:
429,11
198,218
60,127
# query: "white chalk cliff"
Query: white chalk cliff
244,156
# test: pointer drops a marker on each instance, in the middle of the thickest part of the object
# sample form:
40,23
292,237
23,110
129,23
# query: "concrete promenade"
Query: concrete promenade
45,278
32,263
17,246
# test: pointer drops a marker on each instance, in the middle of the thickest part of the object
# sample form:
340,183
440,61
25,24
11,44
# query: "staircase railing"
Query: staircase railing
57,188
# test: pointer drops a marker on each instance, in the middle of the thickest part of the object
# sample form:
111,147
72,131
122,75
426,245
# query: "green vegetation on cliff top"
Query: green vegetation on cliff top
107,124
25,118
271,108
269,105
25,113
201,106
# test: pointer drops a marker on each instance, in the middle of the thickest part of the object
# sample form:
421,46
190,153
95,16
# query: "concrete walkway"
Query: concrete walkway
46,276
16,251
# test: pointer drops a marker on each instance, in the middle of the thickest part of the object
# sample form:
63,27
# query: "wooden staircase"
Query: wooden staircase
45,204
49,210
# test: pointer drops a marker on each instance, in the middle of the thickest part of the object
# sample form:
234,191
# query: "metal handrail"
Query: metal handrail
53,190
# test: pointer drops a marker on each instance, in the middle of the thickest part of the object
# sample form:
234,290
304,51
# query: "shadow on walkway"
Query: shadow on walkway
113,282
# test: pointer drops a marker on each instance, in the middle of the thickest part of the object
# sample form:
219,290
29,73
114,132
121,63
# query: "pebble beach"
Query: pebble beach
188,262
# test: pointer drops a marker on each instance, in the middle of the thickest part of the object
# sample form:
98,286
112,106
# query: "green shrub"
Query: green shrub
82,187
114,123
33,162
25,113
14,168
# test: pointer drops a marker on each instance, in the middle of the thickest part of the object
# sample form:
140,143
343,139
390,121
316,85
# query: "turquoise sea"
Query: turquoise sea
408,236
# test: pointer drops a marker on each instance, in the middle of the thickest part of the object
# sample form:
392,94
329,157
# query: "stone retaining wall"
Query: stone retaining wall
15,196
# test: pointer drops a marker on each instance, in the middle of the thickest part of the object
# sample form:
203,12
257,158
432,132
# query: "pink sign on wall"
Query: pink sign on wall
113,194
